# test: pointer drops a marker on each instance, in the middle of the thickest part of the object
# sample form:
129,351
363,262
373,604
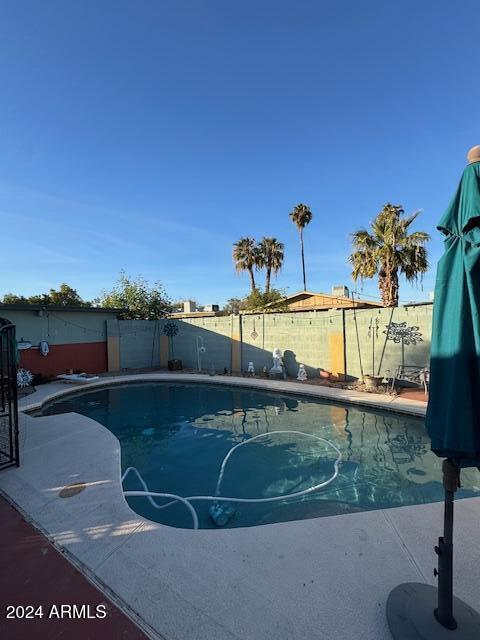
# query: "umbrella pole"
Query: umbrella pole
444,611
417,611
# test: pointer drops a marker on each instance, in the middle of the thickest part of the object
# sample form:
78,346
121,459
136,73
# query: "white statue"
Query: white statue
302,374
251,369
279,409
277,368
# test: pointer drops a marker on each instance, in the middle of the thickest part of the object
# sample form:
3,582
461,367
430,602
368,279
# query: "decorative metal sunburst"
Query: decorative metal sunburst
24,378
399,332
170,329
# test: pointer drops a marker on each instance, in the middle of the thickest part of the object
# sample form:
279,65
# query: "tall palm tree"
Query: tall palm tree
245,257
270,257
301,216
389,250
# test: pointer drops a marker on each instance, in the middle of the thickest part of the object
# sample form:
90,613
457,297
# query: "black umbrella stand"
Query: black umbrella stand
417,611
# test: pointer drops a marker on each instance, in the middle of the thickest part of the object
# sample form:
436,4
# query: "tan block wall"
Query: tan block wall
337,355
113,353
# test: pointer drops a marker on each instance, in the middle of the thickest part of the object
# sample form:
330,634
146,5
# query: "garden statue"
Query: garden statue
280,408
302,374
277,369
251,369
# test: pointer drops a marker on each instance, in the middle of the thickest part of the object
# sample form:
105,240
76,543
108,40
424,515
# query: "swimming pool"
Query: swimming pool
235,453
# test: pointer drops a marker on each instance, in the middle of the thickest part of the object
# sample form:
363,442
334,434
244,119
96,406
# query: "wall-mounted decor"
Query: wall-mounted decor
399,333
170,329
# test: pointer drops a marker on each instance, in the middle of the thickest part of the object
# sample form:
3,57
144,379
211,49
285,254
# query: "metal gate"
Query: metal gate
8,396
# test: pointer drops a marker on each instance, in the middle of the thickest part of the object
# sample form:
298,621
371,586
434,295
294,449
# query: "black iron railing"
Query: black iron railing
8,396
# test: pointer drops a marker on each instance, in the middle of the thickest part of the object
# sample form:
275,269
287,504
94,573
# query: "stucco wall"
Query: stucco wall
59,327
77,340
88,357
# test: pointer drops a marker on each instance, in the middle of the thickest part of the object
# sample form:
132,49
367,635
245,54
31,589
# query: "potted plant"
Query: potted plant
372,382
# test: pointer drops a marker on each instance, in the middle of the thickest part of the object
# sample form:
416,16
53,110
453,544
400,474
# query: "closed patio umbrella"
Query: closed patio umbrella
418,611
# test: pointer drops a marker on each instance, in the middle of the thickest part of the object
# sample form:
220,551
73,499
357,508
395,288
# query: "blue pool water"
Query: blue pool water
177,435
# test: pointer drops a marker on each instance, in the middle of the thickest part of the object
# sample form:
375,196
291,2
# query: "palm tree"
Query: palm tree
270,257
389,250
301,216
245,257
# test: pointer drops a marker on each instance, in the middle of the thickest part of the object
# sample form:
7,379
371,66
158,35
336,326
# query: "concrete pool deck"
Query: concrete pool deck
325,578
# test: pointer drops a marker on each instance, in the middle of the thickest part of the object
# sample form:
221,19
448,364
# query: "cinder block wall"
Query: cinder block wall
135,344
139,343
378,355
215,334
342,342
302,337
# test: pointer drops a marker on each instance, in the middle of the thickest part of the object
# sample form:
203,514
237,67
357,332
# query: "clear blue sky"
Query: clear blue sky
150,135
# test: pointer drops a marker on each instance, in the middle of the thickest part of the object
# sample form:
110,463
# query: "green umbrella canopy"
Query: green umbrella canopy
453,414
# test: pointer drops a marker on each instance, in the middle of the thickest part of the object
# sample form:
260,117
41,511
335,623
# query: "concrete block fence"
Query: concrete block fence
345,343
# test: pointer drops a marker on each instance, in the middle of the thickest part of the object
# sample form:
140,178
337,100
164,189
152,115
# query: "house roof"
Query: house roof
194,314
306,293
57,307
334,300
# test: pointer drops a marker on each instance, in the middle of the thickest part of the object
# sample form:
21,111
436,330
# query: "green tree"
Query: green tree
302,216
389,250
233,305
265,301
245,258
64,296
39,298
140,300
11,298
270,254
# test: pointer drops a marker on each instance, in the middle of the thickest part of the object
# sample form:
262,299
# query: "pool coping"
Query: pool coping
359,398
286,580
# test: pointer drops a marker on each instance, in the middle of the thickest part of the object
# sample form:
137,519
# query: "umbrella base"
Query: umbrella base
410,608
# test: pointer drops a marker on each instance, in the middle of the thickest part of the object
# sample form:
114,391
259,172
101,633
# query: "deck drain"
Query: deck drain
72,489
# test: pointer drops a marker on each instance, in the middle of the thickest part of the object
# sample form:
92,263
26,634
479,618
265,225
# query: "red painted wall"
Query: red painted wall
90,357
